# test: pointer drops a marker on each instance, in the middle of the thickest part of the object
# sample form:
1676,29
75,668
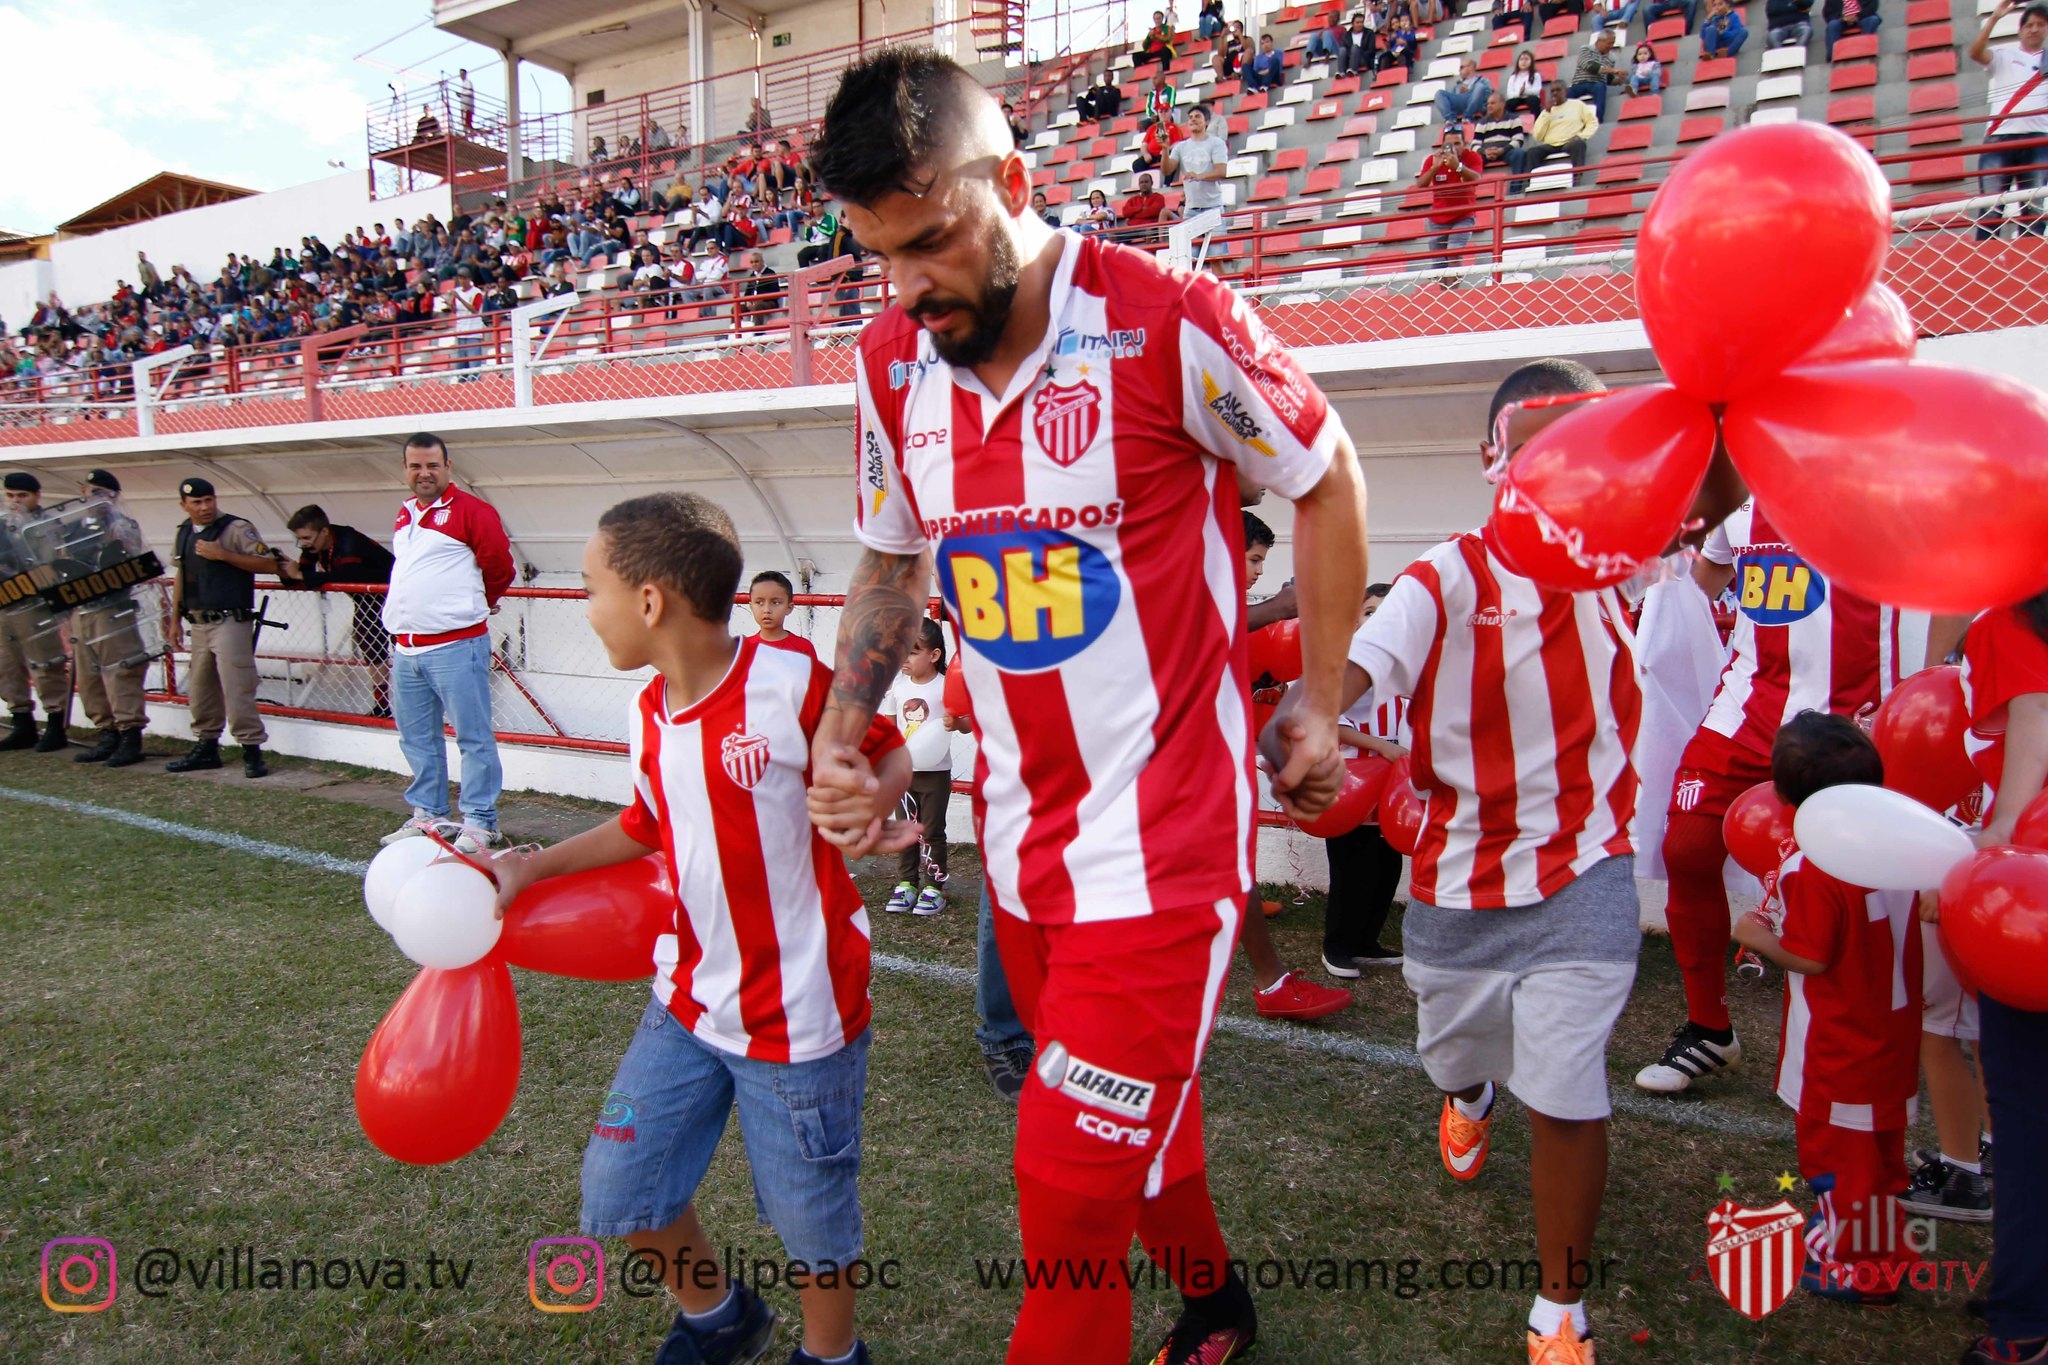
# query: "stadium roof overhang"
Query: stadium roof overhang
563,35
163,193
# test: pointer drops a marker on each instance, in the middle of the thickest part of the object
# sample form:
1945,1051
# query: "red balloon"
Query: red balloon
1754,249
1402,812
1601,491
1994,924
440,1072
1365,777
1276,650
1877,328
596,926
1906,483
2032,829
1919,732
1262,716
1758,830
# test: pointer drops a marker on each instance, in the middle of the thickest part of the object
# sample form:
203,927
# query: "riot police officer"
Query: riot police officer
106,635
31,641
216,559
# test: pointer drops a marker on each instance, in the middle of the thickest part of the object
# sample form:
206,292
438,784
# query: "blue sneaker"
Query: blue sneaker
803,1357
744,1339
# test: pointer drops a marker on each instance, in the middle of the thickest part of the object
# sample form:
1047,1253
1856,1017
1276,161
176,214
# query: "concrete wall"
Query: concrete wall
85,269
23,286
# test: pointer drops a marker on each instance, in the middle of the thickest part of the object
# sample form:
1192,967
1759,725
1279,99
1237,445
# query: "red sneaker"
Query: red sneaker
1295,997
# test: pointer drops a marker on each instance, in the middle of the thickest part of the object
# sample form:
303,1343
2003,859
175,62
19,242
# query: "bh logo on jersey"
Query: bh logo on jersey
1029,599
1779,588
1066,418
745,758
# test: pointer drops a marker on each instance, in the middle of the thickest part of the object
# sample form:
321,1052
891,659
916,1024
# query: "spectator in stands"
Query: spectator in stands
1723,33
758,119
1158,100
1017,130
649,277
598,151
465,303
1646,73
1653,10
1157,45
1465,98
657,137
1497,134
428,128
1514,14
1524,87
1159,141
1098,216
2018,101
1847,16
1043,209
1327,42
1210,21
824,236
1226,54
1596,71
1400,46
1266,69
557,281
1451,176
1145,208
1790,21
1102,100
706,220
1564,128
628,195
1358,50
761,291
1201,162
152,283
1553,9
712,269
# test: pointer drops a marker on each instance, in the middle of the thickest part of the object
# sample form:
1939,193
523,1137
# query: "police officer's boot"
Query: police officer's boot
252,761
102,751
203,755
128,749
55,736
23,735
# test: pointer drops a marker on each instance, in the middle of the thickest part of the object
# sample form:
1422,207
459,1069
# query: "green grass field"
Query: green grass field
182,1024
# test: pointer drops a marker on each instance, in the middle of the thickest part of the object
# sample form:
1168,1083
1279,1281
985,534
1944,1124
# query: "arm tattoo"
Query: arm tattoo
884,602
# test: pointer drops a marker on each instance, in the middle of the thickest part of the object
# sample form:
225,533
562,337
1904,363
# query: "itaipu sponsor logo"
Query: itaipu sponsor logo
1116,344
906,372
1028,599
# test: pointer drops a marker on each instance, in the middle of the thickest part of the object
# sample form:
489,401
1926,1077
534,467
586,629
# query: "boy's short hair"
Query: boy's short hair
781,580
1373,590
929,636
1815,750
682,542
309,516
1256,532
1542,379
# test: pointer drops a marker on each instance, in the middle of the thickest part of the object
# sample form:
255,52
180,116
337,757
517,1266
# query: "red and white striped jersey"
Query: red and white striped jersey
1849,1052
1089,548
1380,719
769,957
1800,643
1523,709
2003,657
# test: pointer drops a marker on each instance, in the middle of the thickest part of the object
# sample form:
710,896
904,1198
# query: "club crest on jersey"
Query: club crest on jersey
1755,1255
439,518
1777,588
1027,599
1066,418
1095,1086
745,757
1688,792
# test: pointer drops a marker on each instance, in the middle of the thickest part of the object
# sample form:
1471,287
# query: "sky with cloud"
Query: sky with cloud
104,93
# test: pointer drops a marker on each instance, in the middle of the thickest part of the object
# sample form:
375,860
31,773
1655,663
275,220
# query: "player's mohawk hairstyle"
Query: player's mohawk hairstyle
891,116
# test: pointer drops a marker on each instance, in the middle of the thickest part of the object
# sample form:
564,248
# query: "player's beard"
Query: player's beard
991,312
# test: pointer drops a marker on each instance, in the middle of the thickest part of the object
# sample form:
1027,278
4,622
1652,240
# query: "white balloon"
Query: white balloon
1875,837
446,915
390,870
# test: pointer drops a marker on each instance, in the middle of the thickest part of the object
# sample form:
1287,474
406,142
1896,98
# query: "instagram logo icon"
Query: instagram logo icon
565,1274
78,1274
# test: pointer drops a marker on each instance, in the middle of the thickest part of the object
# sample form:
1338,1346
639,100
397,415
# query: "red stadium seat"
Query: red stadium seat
1713,69
1630,138
1079,171
1550,50
1389,78
1325,109
1336,154
1671,27
1928,12
1506,37
1855,77
1496,59
1611,206
1124,126
1101,147
1042,177
1323,180
1290,159
1933,99
1701,128
1641,106
1934,136
1373,102
779,237
1269,189
1360,125
1563,25
1059,194
1062,154
1621,170
1931,65
1181,66
1253,102
1343,85
1854,46
1225,90
1290,15
1237,125
1930,36
1405,229
1947,168
1852,109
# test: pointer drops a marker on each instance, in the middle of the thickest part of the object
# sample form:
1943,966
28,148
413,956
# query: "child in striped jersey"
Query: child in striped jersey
761,992
1365,870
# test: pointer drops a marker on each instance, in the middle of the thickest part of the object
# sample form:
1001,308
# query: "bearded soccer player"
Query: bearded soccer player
1800,644
1053,419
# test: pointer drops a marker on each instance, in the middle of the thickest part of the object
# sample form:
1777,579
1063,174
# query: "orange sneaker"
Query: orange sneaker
1269,908
1566,1348
1463,1142
1294,996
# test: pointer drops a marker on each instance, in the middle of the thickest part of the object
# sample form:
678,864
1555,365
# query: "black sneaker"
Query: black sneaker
201,757
1376,956
1984,1155
1939,1190
746,1338
100,752
1007,1069
1691,1055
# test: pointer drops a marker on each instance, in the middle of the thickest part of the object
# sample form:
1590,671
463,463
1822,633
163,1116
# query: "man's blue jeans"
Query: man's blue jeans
1454,107
452,681
2002,169
999,1029
1594,93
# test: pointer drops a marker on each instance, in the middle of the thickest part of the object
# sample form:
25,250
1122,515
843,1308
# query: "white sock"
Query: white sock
1277,984
846,1359
1546,1317
1477,1109
717,1314
1973,1167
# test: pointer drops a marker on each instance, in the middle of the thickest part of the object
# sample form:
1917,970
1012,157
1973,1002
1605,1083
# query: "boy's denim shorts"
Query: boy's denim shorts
666,1113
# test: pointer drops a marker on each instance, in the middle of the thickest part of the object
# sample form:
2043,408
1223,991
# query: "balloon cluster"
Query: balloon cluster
1994,901
440,1071
1757,280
